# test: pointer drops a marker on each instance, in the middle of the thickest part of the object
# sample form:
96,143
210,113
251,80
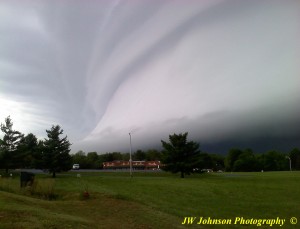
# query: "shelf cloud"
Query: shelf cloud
227,72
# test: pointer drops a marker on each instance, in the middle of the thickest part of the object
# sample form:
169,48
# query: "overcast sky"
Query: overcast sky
227,72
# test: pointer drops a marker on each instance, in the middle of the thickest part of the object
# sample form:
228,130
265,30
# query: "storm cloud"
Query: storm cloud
226,71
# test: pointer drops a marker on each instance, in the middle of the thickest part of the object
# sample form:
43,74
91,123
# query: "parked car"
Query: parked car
76,166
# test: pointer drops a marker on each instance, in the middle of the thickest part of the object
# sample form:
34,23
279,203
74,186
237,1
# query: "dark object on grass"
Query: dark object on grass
26,179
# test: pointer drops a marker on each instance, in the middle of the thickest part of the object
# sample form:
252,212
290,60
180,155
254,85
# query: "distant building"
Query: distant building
136,165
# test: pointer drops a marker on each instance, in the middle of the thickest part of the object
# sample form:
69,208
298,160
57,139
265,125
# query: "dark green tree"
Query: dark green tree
114,156
9,145
232,156
153,155
38,156
93,160
139,155
179,155
295,159
206,161
27,151
125,156
274,161
246,162
218,162
56,155
80,158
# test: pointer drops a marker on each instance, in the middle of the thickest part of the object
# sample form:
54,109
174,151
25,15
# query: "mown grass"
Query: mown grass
151,200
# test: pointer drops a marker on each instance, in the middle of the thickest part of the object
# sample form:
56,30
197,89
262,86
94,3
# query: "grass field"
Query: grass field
150,200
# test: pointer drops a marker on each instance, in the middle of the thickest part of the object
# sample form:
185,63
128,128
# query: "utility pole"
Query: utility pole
130,159
290,162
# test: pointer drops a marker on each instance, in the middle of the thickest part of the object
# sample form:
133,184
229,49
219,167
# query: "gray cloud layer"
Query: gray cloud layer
225,71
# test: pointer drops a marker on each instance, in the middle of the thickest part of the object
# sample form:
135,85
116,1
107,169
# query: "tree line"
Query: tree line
238,160
178,155
93,160
26,151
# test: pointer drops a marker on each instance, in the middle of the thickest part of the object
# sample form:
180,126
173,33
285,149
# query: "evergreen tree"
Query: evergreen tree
9,145
56,155
27,151
180,155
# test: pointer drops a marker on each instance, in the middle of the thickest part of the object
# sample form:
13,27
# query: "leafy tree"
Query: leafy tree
139,155
80,158
56,155
87,161
206,161
218,161
93,160
115,156
295,159
125,156
153,155
274,161
232,156
180,155
9,144
246,162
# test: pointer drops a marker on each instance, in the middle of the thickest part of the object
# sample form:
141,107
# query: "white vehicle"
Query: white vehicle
76,166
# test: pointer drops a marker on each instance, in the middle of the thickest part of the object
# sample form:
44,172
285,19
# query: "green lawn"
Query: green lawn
151,200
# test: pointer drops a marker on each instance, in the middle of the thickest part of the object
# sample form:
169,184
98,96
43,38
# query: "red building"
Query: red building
137,165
